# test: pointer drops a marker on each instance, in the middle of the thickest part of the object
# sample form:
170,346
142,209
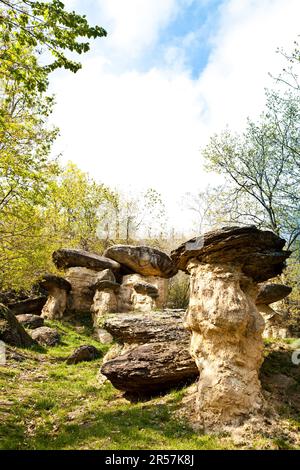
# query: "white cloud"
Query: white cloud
140,129
136,23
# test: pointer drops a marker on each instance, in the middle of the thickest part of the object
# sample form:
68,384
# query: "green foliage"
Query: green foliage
42,27
262,169
179,291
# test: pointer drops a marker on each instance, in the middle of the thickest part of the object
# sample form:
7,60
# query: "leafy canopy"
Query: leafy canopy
45,27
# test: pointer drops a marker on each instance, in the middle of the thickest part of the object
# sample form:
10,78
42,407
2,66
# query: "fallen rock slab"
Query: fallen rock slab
84,353
67,258
155,355
45,336
151,367
30,321
143,260
11,331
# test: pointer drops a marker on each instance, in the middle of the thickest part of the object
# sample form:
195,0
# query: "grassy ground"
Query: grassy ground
46,404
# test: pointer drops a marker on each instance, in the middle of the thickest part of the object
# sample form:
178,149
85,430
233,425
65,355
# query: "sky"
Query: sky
169,74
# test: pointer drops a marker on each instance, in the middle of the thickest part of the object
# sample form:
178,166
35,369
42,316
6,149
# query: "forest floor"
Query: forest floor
47,404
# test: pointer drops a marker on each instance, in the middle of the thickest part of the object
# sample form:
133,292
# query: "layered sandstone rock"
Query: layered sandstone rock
142,293
105,300
155,354
274,320
225,266
143,260
58,289
71,258
270,293
82,282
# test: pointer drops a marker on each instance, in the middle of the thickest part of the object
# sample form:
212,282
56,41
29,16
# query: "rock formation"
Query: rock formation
58,289
225,266
155,356
269,294
143,260
101,285
30,321
142,293
34,306
82,281
45,336
11,331
84,353
66,258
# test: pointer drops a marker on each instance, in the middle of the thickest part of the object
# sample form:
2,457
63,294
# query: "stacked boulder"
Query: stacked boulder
152,355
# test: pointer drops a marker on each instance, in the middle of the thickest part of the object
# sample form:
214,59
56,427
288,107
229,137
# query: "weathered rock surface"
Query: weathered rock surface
27,306
129,299
143,260
30,321
151,368
226,343
270,293
146,288
11,332
45,336
82,281
84,353
66,258
147,327
105,301
58,289
155,355
274,327
258,253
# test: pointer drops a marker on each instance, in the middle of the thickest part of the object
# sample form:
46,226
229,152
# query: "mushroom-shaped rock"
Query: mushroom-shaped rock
84,353
225,266
27,306
83,282
30,321
110,285
45,336
11,331
155,356
143,260
146,288
274,320
65,258
258,253
58,289
270,293
143,298
105,300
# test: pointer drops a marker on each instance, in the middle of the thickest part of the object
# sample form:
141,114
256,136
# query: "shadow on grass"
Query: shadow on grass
148,427
281,378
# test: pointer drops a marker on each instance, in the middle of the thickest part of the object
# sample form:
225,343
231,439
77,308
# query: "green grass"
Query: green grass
47,404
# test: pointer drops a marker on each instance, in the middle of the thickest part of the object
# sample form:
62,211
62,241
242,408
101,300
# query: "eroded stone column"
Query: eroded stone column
226,341
225,267
58,290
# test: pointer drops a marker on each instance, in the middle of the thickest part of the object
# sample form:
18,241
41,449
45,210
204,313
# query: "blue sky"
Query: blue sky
169,75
